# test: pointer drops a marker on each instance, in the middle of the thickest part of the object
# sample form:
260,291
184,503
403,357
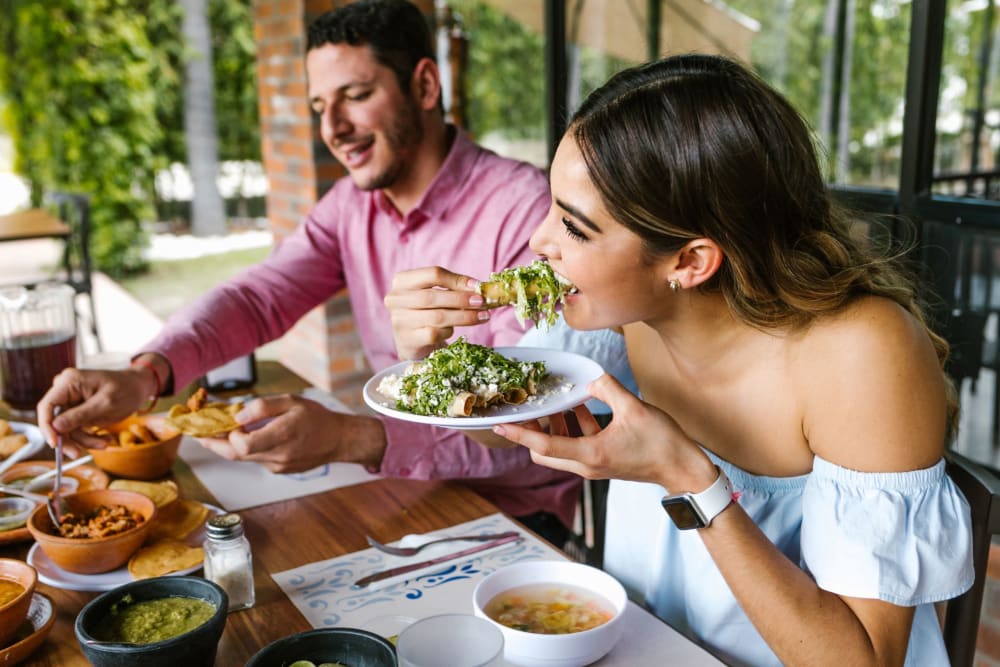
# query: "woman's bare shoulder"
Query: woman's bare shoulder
873,388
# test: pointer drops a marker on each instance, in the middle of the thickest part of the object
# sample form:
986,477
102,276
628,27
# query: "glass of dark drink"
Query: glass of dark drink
37,340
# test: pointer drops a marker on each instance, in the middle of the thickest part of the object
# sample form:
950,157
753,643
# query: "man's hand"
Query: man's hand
90,398
292,434
427,304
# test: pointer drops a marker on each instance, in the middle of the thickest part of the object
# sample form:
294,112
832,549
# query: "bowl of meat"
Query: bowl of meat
100,532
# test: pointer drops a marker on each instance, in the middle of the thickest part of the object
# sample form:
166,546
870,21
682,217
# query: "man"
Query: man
420,192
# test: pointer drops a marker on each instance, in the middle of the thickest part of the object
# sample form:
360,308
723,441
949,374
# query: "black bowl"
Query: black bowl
191,649
357,648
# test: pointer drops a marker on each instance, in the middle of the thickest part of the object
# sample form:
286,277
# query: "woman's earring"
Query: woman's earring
675,285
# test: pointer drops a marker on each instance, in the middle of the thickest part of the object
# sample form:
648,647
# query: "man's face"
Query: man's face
371,126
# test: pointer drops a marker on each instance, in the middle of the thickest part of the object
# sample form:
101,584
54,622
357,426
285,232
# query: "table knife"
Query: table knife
403,569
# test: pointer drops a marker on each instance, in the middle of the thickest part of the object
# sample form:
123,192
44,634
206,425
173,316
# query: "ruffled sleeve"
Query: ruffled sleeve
905,538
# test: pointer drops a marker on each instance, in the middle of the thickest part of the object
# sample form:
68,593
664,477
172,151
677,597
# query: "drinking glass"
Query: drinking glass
450,640
37,340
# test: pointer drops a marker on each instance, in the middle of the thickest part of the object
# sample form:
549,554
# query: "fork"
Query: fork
410,551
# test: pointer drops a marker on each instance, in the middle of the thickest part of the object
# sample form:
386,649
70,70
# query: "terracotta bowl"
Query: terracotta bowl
14,611
146,461
97,554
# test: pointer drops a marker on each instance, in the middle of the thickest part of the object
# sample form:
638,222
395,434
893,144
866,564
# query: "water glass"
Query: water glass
450,640
37,341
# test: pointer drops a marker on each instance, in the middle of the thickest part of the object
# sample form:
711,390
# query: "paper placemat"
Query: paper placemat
322,592
238,485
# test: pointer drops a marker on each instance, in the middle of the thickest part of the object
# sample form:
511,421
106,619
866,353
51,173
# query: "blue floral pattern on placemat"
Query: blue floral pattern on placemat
324,592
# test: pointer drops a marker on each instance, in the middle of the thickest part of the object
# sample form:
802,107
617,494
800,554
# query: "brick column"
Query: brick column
323,347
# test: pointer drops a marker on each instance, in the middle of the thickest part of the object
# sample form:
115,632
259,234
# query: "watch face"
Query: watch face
681,512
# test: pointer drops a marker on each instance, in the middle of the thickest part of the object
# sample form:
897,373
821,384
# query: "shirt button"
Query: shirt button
404,472
404,238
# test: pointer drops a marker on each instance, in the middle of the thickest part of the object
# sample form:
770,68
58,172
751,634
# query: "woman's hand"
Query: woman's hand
90,398
642,443
427,304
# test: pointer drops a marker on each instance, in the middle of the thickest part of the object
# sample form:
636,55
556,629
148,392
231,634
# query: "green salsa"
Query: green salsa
153,621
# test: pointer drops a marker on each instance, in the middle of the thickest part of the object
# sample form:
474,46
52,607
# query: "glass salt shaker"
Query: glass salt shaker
228,561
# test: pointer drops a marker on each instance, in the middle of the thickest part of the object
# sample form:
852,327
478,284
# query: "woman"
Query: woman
787,377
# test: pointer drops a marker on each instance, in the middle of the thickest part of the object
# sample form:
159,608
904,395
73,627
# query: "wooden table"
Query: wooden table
35,223
285,535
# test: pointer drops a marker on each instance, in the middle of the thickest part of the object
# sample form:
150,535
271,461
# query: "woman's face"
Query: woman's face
617,282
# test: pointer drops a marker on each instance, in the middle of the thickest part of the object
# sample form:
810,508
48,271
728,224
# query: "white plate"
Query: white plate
34,435
563,367
53,575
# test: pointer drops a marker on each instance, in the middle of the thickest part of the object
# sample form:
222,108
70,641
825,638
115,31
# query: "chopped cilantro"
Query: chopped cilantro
462,366
536,290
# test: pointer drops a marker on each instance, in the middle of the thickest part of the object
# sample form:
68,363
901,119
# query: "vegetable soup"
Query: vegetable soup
9,590
549,609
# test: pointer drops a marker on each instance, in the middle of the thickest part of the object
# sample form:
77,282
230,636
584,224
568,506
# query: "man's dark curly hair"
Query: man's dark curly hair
395,30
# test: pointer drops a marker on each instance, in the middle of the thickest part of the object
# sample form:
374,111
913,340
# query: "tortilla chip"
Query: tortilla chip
11,443
178,519
5,427
212,419
163,557
163,493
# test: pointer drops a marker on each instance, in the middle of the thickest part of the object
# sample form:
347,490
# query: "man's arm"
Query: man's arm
256,307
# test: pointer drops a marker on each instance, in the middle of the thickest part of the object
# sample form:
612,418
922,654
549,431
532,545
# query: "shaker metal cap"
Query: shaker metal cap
224,526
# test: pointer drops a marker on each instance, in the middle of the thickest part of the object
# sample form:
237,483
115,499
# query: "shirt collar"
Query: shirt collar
434,203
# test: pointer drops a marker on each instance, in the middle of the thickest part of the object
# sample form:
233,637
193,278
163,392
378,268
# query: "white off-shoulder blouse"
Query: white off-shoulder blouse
900,537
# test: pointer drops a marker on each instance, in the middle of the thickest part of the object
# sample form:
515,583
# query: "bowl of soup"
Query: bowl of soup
553,613
17,586
158,622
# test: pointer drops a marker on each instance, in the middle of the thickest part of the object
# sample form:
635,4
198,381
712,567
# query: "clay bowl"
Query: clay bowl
145,461
14,610
91,555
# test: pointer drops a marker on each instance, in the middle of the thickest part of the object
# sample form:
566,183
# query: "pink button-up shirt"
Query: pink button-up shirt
476,217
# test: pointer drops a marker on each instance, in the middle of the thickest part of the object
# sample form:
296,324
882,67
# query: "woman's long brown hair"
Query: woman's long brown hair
698,146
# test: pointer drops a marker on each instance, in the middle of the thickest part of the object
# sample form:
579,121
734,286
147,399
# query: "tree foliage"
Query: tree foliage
93,103
83,116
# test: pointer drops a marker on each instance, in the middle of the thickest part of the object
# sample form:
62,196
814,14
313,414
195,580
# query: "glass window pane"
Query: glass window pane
968,119
842,63
504,77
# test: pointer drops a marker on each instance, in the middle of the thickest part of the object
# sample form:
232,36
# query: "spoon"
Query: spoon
14,491
35,483
56,505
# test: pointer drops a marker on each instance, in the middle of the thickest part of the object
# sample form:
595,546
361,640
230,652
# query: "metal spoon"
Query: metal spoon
15,491
36,483
57,506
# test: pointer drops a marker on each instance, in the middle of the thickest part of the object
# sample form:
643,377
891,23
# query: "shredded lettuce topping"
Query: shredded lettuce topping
428,387
534,290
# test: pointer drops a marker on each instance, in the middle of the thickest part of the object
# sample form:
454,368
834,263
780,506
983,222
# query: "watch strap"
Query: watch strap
715,498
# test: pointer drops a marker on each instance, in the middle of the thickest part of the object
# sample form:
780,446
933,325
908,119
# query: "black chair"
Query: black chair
981,487
74,209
